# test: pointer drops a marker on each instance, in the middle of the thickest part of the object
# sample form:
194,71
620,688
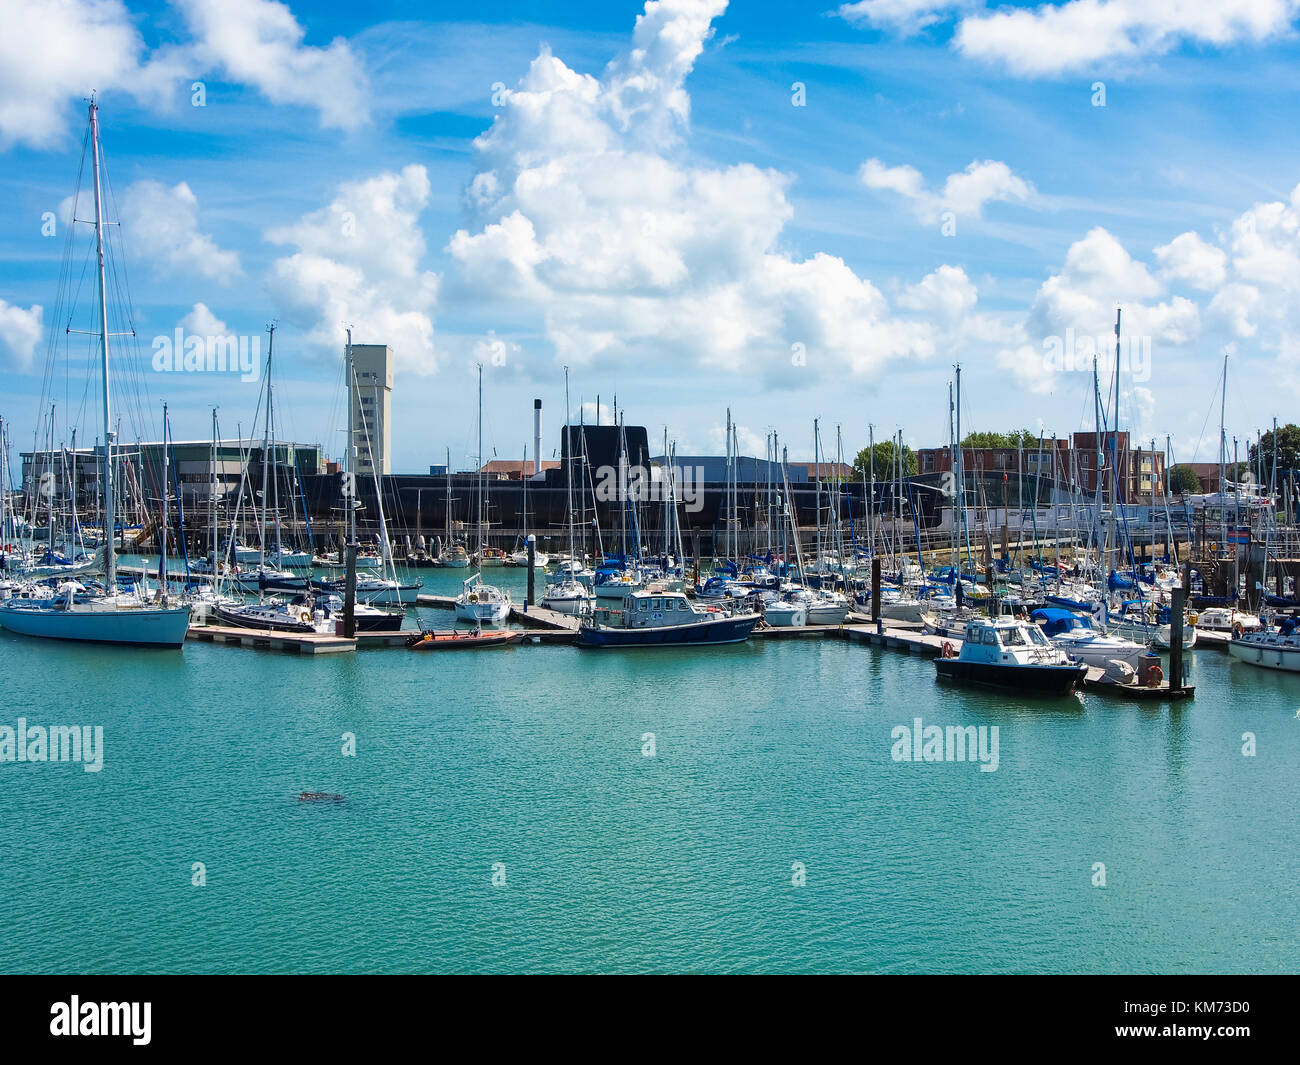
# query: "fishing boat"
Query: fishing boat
663,619
1006,653
113,617
460,640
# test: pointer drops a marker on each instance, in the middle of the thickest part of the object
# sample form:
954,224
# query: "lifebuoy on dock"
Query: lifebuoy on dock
1155,675
948,650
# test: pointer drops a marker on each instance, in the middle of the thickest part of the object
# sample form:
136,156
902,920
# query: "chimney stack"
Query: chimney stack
537,438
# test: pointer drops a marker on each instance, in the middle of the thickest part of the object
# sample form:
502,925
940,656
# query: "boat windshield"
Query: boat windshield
1036,636
1013,637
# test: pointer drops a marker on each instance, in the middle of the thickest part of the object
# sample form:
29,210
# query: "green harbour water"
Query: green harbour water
530,760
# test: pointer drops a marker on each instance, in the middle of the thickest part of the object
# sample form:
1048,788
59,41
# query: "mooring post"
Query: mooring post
875,589
1179,598
532,561
350,593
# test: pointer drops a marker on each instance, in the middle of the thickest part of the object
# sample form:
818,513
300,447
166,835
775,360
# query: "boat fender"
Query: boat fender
1154,676
948,650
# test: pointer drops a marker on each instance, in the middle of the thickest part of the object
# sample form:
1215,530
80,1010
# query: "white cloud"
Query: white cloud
1055,38
902,16
947,293
259,43
358,263
202,322
20,332
54,53
1189,259
965,192
1074,313
1234,306
162,225
586,215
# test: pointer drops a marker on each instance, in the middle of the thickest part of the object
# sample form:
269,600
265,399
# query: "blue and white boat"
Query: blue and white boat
663,619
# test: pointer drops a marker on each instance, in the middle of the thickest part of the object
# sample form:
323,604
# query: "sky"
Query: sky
792,211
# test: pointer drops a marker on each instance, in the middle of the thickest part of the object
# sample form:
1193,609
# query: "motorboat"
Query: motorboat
1078,637
664,619
1010,653
1227,619
460,640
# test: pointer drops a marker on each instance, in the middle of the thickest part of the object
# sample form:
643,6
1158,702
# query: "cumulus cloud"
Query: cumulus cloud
202,322
1073,313
964,193
1053,39
20,332
358,262
1189,259
947,294
53,53
584,213
163,226
260,43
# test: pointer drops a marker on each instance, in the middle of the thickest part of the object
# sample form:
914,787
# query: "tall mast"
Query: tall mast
349,469
166,514
266,445
568,461
1114,447
479,533
110,510
212,498
1223,449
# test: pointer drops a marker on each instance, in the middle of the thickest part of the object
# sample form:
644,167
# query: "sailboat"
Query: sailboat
565,593
479,602
112,617
264,577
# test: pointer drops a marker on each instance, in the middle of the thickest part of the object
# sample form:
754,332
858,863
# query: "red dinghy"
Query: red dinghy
460,640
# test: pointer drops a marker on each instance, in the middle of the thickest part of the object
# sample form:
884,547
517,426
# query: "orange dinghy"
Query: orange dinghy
460,640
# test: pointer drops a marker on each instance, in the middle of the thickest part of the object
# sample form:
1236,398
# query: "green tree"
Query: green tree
1288,450
1183,481
886,458
1016,438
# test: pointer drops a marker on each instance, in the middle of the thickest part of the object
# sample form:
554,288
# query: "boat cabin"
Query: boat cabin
653,610
1007,641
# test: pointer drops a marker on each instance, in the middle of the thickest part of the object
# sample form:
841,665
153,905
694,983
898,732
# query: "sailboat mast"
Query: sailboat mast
479,533
266,445
110,510
212,501
568,461
1223,452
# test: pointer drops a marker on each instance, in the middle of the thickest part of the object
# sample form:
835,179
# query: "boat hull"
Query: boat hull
144,627
1266,655
1041,680
699,633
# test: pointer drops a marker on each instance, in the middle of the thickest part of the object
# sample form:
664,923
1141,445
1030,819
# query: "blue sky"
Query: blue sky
660,207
